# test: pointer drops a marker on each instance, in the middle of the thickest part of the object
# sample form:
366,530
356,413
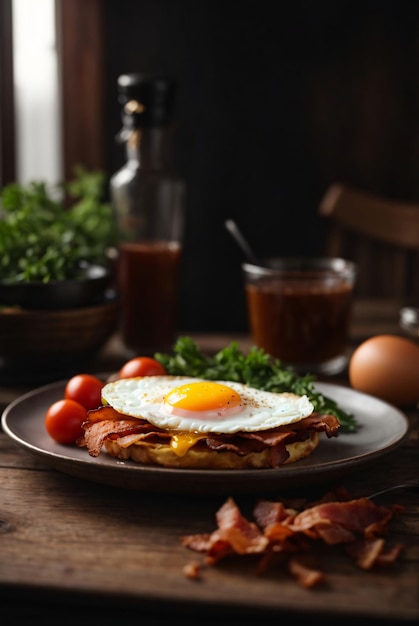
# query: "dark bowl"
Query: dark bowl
88,290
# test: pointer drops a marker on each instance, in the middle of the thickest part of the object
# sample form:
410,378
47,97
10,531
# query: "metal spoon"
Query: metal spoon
243,244
409,484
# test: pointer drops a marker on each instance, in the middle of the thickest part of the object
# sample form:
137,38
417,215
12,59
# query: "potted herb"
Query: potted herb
51,255
58,307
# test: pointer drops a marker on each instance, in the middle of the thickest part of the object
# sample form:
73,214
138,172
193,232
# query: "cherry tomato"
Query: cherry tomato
141,366
84,389
63,420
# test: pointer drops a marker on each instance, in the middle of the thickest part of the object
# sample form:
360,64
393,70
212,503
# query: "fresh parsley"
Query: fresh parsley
257,369
43,240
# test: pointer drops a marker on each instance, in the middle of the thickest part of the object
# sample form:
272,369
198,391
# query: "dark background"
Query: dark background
242,140
275,102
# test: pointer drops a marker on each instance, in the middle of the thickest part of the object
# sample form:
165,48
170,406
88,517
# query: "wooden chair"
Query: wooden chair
381,235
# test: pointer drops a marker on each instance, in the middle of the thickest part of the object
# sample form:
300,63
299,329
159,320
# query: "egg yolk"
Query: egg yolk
206,398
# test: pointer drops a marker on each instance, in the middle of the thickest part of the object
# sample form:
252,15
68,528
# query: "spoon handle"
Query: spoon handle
240,240
409,484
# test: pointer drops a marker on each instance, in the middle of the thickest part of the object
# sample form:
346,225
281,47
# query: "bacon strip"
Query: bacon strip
235,534
339,522
106,423
307,577
95,433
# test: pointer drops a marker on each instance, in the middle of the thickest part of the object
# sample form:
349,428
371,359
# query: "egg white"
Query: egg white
143,397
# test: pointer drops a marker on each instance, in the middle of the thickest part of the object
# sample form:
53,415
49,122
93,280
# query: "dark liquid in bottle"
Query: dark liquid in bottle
148,278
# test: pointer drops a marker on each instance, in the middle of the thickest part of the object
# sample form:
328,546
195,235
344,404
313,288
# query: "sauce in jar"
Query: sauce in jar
148,276
301,317
298,324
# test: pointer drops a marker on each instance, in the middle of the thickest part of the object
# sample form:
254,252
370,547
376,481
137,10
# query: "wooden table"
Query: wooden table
74,551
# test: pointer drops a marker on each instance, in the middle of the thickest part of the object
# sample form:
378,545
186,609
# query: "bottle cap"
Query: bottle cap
147,100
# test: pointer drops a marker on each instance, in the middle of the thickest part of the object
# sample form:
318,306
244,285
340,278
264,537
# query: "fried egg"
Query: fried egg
197,405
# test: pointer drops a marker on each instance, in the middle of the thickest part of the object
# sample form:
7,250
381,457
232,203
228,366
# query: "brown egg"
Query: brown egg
387,366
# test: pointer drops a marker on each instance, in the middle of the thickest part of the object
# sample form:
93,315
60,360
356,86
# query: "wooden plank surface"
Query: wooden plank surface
60,534
74,548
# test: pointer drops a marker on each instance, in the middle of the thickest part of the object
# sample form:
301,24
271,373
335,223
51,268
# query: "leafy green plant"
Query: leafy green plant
43,240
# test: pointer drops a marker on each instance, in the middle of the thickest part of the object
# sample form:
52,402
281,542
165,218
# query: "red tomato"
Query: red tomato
141,366
63,420
84,389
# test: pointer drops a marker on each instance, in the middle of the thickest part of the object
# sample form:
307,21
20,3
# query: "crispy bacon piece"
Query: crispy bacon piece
235,534
284,533
95,433
319,422
369,552
268,513
355,516
192,570
103,413
243,536
306,576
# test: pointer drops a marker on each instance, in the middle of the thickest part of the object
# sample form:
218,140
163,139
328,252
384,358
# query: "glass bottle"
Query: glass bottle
148,199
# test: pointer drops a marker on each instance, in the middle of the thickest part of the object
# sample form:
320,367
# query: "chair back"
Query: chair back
380,235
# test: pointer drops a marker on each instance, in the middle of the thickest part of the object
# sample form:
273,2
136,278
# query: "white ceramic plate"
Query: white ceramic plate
382,428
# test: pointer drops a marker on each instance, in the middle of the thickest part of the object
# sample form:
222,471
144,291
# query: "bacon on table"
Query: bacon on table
285,531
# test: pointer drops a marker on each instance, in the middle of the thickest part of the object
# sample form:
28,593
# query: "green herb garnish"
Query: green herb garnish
43,240
257,369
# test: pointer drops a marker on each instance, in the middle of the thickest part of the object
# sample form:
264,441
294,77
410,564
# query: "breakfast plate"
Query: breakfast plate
382,428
